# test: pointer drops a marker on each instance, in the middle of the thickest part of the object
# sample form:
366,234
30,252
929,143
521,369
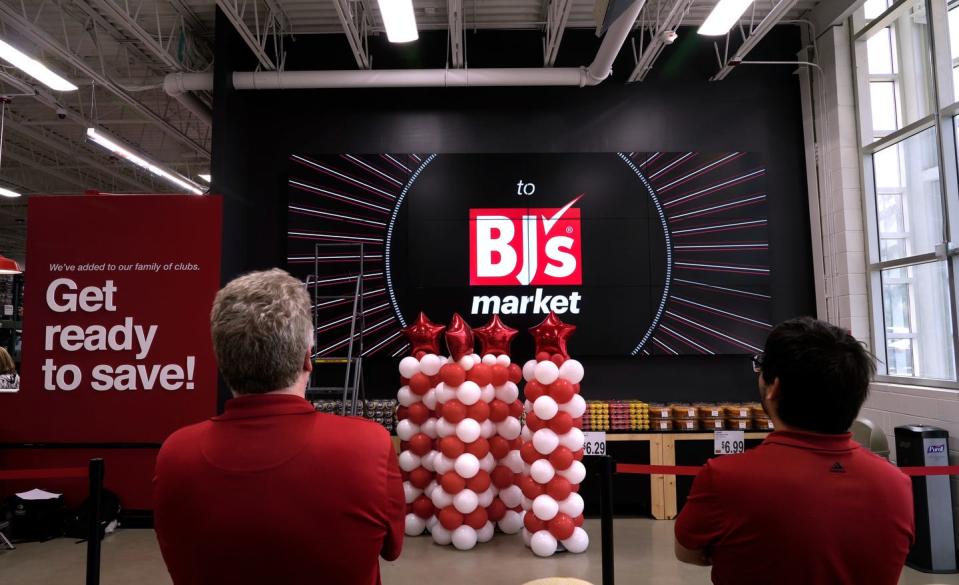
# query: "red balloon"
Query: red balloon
402,412
452,483
478,411
420,444
450,518
516,409
419,414
559,488
481,374
498,410
575,487
561,423
534,390
494,337
578,455
499,375
459,338
409,508
557,359
561,526
578,521
480,482
534,422
516,443
477,518
479,448
404,381
420,384
434,380
454,411
502,477
532,523
452,447
499,447
578,423
561,391
550,336
542,356
576,388
452,375
496,510
515,373
419,354
423,507
420,478
404,446
529,453
561,458
530,488
424,336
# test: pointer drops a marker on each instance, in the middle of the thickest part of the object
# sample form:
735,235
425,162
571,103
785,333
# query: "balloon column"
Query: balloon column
553,444
505,411
417,426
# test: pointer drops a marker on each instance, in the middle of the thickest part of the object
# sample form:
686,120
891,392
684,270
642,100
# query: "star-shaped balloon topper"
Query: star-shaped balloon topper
459,337
424,335
550,336
495,337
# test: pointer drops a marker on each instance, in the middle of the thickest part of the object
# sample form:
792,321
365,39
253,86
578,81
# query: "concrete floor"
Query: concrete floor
643,555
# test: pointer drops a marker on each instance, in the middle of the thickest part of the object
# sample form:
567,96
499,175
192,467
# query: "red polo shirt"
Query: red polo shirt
800,508
274,492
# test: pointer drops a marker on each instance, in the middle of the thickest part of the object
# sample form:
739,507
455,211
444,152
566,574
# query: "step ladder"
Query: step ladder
352,389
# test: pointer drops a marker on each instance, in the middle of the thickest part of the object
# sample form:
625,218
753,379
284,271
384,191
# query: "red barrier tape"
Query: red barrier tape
48,473
693,470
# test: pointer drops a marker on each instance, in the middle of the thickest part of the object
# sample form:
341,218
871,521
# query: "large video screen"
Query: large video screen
646,253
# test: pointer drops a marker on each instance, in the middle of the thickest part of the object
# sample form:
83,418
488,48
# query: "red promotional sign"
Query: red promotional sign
116,340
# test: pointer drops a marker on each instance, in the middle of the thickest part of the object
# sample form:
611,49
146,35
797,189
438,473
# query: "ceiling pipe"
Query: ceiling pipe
179,85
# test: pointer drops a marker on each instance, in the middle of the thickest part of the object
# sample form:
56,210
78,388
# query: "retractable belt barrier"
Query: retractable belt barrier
629,468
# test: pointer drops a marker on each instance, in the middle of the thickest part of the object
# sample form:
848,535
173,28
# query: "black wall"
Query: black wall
756,109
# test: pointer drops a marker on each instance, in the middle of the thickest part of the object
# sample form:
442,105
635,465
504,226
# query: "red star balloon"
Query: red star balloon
424,335
495,337
551,335
459,337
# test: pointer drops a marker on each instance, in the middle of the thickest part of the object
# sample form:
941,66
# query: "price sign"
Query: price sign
595,444
728,442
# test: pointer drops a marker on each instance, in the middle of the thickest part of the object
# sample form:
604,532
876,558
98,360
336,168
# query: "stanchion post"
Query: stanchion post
606,518
93,529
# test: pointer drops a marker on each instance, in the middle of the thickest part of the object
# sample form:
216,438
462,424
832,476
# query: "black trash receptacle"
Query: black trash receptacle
935,547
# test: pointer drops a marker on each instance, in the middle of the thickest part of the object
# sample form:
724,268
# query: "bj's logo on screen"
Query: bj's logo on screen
526,247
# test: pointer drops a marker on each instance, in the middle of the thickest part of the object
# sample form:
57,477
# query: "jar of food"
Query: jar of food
763,424
757,411
686,424
709,410
660,412
685,411
659,424
714,424
736,411
739,424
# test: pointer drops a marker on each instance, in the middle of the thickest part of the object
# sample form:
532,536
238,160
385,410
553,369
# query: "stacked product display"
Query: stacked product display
379,411
708,417
616,416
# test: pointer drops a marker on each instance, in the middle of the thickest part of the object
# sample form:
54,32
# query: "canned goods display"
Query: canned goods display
382,412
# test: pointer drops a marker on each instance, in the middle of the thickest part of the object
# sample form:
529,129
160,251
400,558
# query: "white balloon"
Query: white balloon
465,501
545,507
429,489
466,362
503,360
543,543
511,496
576,472
476,358
527,504
405,429
431,364
511,522
485,534
409,461
411,492
468,430
546,372
509,428
487,429
406,397
514,461
467,465
464,537
443,464
572,370
441,535
468,393
527,406
429,399
529,370
487,393
409,367
527,468
489,359
572,439
545,441
526,434
542,471
444,428
508,392
578,542
444,393
575,407
433,521
414,525
545,407
488,463
527,537
428,428
427,461
572,506
486,498
441,498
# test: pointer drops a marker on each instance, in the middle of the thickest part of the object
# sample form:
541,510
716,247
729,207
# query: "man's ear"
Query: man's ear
308,361
772,390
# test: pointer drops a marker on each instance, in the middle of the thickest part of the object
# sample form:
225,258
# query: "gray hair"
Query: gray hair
262,330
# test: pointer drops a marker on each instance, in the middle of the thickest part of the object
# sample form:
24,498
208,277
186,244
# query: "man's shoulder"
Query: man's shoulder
187,437
352,428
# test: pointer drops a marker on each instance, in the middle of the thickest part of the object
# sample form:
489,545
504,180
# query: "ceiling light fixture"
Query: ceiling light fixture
117,148
9,265
4,192
399,20
206,177
726,14
34,68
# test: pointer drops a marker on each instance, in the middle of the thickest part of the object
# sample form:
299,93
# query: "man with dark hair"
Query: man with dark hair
808,505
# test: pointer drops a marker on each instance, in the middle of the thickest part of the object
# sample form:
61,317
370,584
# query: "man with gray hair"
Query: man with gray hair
272,491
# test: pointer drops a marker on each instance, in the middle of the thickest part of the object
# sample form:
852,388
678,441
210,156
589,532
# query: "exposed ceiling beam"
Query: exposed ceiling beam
657,40
557,15
355,27
269,22
46,42
762,29
454,9
832,12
